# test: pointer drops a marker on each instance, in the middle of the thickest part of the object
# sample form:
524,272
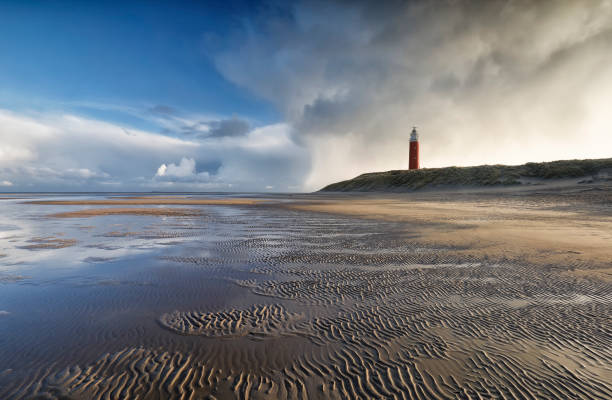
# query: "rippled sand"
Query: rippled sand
479,296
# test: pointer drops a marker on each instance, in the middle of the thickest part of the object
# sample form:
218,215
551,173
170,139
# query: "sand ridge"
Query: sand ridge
49,242
259,321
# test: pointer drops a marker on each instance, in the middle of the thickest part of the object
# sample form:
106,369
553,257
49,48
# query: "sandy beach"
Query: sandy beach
571,230
306,200
437,295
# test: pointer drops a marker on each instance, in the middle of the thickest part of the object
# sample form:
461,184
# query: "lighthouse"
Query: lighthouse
413,162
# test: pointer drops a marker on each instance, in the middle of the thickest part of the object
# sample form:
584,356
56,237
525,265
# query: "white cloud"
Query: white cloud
84,173
265,156
185,168
6,183
184,172
12,154
67,152
161,171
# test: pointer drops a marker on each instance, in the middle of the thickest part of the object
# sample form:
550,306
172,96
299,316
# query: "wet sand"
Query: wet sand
148,200
428,296
541,229
176,212
50,242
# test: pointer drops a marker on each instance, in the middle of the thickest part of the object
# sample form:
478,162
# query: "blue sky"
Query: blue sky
290,96
74,55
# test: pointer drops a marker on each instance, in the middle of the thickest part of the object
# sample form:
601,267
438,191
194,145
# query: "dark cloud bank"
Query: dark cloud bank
486,81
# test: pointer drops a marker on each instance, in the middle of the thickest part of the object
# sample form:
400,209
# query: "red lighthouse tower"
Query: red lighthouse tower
413,162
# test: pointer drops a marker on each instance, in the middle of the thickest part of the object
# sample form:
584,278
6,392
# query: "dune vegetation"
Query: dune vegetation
482,175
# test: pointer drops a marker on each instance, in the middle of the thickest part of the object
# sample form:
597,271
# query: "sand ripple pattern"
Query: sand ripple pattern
378,316
133,373
259,321
401,320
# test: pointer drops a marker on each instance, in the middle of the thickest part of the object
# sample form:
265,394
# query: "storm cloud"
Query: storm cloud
228,127
486,82
192,127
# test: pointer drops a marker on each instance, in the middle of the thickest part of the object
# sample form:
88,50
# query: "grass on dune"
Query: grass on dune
482,175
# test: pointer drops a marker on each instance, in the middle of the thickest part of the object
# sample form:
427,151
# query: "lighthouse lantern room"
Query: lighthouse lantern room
413,162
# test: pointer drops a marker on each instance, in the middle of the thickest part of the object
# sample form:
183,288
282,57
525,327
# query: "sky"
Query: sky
287,96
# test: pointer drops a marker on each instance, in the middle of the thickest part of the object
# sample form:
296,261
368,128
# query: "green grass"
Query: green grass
482,175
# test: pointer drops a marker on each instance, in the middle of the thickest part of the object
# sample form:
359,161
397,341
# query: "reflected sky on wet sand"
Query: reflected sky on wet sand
258,297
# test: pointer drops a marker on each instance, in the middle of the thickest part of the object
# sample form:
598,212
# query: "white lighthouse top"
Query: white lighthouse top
414,136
